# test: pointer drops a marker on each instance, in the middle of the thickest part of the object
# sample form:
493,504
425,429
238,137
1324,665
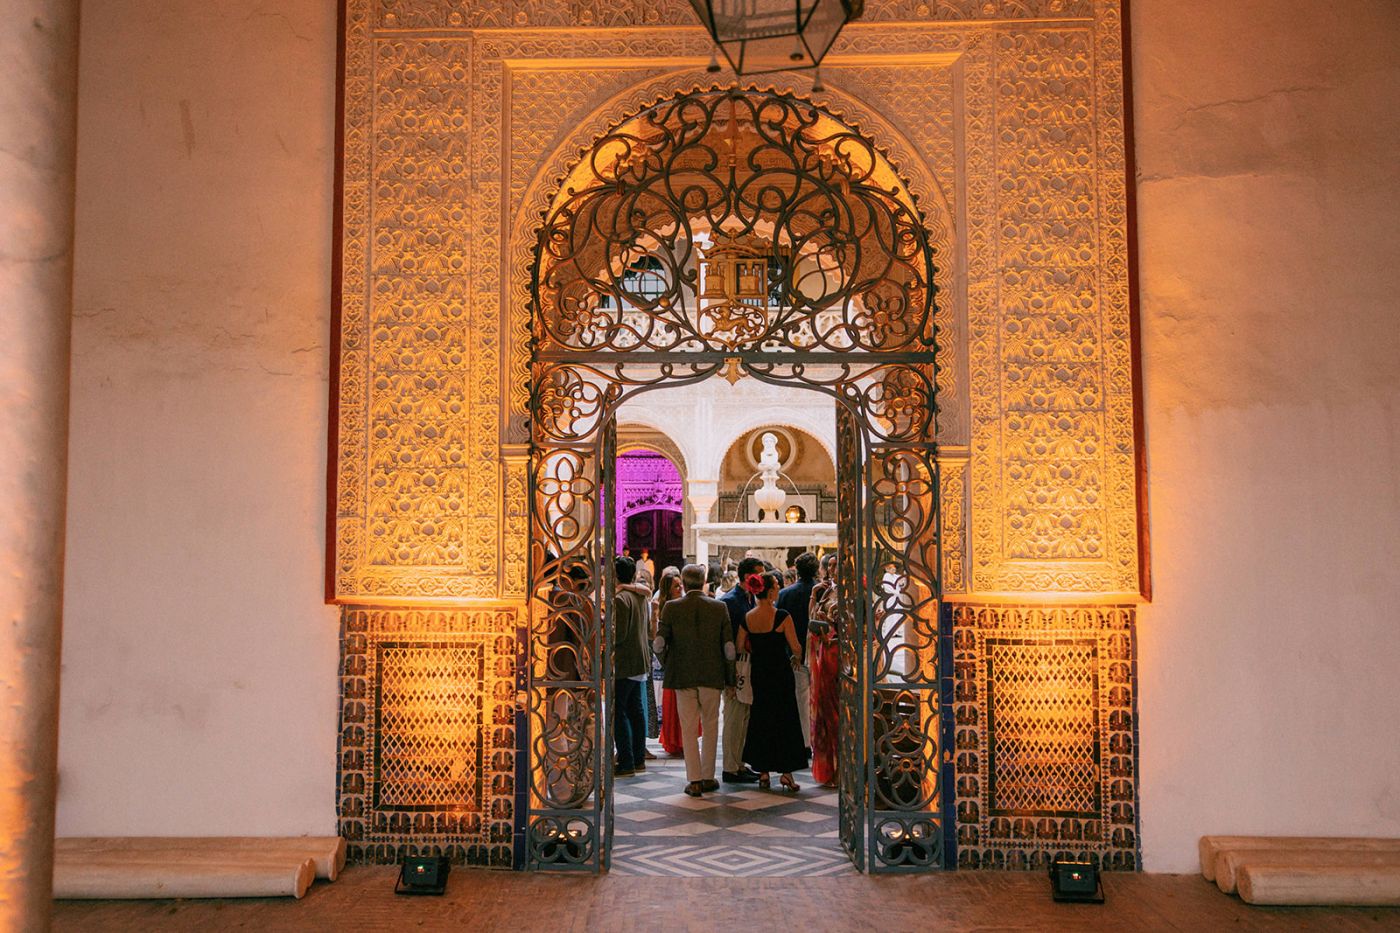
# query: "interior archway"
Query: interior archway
648,521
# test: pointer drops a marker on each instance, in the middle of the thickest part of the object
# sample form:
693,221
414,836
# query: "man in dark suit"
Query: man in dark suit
736,715
797,600
698,651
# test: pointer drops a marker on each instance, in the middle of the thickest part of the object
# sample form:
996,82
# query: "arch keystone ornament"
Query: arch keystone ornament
782,244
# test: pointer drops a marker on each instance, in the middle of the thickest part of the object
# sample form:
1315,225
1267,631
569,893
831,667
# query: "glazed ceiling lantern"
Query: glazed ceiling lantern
757,36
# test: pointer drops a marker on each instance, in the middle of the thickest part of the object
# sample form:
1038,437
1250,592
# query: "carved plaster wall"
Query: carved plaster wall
1010,133
1006,119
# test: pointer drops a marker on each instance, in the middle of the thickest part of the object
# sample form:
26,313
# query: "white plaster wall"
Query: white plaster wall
199,689
199,681
1269,243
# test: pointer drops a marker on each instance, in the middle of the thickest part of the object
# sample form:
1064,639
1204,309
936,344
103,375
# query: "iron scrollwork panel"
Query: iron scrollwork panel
852,749
902,601
733,219
568,735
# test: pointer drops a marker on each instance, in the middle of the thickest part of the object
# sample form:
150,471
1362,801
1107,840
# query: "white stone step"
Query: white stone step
1210,846
328,852
1229,862
142,875
1321,885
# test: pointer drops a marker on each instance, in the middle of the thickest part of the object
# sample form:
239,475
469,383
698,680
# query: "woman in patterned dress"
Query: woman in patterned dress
824,657
670,588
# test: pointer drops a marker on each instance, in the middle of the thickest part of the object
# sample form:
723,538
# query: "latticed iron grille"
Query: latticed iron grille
1042,724
427,744
781,246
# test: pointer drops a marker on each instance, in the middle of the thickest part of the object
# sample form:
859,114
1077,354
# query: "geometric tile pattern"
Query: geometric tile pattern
737,831
1045,735
427,740
690,860
1042,726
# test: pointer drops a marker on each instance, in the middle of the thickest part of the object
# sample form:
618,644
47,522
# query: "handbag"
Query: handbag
743,683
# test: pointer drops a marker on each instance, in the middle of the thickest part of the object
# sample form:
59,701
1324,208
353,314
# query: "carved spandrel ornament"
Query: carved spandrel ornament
1011,135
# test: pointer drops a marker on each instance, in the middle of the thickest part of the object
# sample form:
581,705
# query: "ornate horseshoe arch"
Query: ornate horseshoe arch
916,176
741,233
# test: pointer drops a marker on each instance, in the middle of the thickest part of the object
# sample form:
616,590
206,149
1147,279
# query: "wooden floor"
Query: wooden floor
363,900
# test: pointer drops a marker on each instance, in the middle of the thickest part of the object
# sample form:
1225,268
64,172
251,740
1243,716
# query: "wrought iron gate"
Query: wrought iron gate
745,234
852,691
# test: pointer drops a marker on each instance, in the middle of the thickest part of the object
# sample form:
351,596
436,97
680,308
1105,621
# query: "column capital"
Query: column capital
702,494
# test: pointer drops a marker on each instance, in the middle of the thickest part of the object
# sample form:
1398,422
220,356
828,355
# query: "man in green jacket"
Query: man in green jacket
697,651
631,666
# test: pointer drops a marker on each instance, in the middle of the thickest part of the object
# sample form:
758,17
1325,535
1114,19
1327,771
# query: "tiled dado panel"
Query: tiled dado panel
1006,120
1045,735
427,733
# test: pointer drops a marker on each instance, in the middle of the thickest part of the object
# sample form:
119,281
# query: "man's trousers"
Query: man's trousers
736,730
698,710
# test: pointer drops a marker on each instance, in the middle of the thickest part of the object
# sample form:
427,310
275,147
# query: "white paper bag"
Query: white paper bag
743,686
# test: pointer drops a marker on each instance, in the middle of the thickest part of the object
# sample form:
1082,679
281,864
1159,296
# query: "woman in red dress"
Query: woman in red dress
824,657
670,588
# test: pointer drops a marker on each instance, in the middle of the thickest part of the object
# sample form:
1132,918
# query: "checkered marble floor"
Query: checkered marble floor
737,831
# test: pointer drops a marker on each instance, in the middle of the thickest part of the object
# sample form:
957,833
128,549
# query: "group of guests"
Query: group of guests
787,634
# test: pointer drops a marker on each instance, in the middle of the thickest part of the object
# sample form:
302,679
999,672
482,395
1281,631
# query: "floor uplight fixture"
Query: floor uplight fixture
423,874
1076,882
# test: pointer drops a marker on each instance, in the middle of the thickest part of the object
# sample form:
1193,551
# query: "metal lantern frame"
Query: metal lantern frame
808,29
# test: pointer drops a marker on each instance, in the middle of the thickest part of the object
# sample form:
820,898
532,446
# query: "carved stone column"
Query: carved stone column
701,494
38,106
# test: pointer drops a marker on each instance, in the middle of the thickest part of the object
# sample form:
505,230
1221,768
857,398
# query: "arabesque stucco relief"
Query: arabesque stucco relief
1006,120
1010,134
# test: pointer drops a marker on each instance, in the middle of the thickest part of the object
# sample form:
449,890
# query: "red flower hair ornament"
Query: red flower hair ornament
755,584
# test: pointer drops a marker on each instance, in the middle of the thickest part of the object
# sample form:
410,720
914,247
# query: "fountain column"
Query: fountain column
768,497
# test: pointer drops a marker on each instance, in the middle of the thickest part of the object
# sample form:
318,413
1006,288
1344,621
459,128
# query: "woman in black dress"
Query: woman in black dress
774,741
